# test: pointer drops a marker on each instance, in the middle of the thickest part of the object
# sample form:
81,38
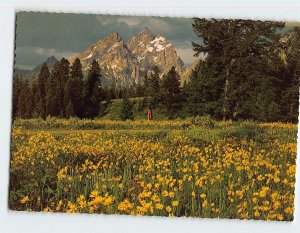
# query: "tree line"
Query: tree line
251,71
63,92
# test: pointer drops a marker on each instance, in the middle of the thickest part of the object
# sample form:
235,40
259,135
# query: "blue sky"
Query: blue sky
40,35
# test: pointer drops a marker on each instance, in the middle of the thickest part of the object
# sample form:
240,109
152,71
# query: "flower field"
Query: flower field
240,170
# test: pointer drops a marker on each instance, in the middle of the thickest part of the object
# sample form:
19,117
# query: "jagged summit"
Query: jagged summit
113,37
142,38
146,30
126,62
50,63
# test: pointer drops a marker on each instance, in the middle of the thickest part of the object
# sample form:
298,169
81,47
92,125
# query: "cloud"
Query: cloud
29,57
40,35
157,24
186,54
130,21
51,52
105,20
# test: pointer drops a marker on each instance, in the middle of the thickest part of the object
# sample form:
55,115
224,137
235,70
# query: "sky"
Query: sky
40,35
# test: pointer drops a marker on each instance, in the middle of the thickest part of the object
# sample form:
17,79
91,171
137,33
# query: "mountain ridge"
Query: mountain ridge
123,62
126,62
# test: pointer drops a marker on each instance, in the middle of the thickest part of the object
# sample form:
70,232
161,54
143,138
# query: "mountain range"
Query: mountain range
124,63
127,62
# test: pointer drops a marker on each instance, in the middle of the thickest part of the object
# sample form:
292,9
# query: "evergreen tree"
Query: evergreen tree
17,88
37,104
146,80
74,90
25,106
153,88
290,83
121,92
130,91
140,90
92,91
239,54
63,78
55,95
40,97
263,101
113,92
126,109
171,92
70,110
203,91
142,104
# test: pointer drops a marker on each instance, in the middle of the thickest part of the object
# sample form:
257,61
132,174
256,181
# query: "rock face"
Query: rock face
126,62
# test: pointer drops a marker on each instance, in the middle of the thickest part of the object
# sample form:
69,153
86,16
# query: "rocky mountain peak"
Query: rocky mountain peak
140,39
113,37
146,30
50,63
126,62
146,34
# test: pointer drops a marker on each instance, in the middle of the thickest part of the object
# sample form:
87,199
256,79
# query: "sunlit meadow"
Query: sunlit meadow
195,168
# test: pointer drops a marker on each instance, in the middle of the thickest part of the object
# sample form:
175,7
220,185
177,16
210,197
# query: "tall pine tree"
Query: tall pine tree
290,94
17,88
25,106
40,98
53,105
55,95
126,109
74,91
153,92
92,91
171,92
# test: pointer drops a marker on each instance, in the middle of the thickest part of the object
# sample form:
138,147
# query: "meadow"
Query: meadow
195,167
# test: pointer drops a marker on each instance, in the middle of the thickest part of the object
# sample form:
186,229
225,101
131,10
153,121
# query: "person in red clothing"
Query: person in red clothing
150,114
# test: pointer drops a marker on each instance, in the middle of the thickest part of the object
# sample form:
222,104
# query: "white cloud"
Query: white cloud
105,20
153,23
46,52
156,24
28,57
186,54
130,21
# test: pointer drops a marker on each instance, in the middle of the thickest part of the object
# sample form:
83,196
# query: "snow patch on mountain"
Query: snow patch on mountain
89,56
